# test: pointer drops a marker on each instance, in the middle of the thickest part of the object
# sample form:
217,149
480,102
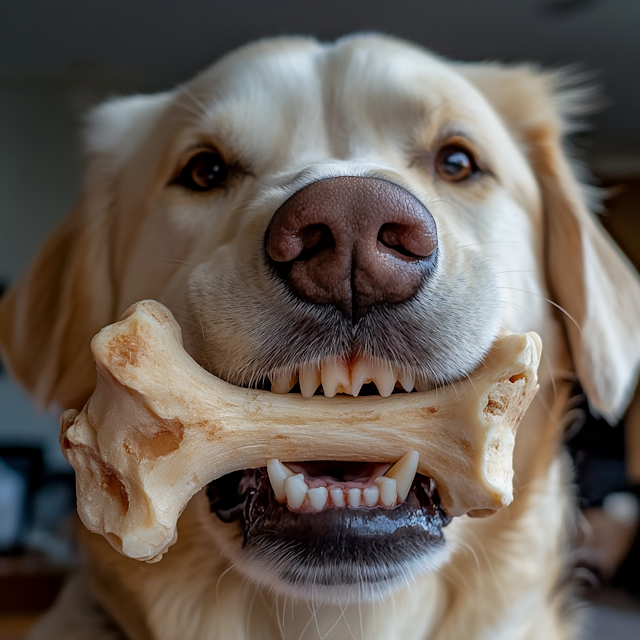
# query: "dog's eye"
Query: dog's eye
205,171
455,163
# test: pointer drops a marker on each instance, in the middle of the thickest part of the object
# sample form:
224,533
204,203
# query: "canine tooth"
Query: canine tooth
354,497
318,497
388,490
283,382
370,496
424,384
335,377
296,489
408,380
384,379
309,380
337,497
403,472
278,473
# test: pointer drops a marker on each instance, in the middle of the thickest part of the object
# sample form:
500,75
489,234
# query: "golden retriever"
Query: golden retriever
365,199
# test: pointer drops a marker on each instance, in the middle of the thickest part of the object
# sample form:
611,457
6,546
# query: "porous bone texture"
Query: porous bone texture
158,428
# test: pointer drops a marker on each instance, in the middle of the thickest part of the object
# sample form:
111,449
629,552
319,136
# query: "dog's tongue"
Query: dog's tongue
159,428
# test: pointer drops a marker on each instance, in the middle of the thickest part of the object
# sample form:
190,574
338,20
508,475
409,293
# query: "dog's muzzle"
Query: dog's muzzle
159,428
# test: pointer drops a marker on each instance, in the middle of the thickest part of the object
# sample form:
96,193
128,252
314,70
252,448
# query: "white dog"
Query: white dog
299,204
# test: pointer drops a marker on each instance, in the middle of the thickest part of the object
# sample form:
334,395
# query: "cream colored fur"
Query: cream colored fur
297,111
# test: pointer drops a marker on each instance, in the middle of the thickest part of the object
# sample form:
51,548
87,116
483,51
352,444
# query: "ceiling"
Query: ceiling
151,44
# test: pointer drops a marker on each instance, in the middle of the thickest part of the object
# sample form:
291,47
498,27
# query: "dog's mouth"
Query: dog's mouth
335,524
337,530
169,429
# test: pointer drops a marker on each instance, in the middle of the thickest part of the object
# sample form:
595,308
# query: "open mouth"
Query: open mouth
336,517
328,527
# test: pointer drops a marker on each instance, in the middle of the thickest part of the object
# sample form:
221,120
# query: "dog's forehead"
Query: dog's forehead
320,95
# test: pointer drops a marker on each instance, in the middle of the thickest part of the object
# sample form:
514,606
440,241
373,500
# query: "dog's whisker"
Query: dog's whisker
498,273
306,627
219,580
490,567
549,301
478,244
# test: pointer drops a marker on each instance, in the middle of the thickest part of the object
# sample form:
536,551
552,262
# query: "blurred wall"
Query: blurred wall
40,178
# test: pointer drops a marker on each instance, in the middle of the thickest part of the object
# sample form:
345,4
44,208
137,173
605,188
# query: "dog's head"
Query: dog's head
360,217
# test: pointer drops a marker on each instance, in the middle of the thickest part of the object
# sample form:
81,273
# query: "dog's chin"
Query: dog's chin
336,555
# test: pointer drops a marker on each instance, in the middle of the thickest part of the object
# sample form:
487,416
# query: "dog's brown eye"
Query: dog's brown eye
455,163
205,171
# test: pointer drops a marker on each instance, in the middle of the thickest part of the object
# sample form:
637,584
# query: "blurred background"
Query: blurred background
60,57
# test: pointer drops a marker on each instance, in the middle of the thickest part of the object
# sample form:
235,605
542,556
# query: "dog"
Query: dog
363,200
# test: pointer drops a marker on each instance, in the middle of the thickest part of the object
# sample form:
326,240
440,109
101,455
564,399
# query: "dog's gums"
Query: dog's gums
159,428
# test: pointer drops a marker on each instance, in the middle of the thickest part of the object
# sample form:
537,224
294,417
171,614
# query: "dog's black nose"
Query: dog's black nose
353,242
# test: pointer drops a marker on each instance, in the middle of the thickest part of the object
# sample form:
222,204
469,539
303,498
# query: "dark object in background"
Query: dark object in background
28,583
598,452
35,564
3,290
28,462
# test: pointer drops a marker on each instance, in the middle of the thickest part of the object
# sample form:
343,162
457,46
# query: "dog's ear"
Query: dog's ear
587,274
48,318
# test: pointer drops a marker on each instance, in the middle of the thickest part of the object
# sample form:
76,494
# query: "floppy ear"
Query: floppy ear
588,276
49,317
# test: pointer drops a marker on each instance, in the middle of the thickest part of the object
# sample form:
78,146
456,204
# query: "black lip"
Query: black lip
333,544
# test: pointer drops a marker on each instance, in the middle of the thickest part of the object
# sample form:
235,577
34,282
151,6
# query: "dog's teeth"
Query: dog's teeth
335,377
309,380
424,384
408,380
359,375
337,497
354,497
403,472
296,490
370,496
388,490
383,378
283,382
278,473
318,497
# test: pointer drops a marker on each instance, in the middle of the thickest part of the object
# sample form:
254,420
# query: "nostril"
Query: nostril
410,241
315,238
287,245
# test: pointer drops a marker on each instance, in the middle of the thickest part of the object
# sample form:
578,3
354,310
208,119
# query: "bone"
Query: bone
158,428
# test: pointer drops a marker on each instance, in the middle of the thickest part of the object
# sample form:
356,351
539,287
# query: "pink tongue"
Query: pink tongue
350,475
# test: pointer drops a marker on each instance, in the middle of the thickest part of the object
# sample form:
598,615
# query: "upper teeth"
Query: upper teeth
387,491
336,376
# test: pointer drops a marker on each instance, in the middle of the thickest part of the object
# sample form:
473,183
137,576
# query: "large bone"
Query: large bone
158,428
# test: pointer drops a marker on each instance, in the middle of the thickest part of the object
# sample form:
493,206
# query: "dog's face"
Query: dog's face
353,218
322,215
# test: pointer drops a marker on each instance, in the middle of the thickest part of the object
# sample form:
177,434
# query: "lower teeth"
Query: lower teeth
384,491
